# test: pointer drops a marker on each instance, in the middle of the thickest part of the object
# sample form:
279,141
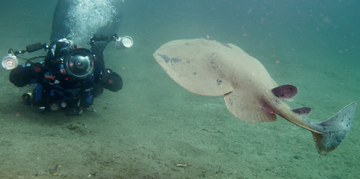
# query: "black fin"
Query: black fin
285,91
303,111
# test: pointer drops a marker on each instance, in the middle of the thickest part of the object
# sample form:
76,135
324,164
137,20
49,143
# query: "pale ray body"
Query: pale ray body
212,68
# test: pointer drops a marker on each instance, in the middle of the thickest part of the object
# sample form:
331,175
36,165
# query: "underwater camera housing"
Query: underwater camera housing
75,62
78,63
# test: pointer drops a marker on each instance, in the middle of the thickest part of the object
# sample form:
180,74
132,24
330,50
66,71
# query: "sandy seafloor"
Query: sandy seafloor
152,124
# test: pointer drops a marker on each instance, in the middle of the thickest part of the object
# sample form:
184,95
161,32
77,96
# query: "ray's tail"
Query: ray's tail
333,130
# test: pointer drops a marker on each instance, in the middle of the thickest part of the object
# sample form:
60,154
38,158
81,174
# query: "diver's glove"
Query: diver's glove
23,75
19,76
113,81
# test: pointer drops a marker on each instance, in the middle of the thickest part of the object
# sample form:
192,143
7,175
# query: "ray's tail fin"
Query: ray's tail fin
333,130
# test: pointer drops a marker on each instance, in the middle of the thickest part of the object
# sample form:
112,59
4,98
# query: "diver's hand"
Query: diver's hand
20,76
113,81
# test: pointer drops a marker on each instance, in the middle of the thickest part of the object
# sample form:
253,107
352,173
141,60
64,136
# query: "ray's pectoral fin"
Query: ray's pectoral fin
248,108
187,63
285,91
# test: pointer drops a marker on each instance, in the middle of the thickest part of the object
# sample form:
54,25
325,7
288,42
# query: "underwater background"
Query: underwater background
152,125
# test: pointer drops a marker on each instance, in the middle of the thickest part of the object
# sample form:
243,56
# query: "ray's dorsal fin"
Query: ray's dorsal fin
303,111
285,91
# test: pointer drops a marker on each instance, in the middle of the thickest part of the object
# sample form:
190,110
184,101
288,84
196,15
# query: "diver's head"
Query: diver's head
61,47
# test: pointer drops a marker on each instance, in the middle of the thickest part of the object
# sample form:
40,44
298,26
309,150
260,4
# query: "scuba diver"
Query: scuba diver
68,77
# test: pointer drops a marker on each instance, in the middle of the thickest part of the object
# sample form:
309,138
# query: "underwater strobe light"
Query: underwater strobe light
9,62
124,42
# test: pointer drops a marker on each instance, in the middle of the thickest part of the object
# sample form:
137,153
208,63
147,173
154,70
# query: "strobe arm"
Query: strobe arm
101,38
32,48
